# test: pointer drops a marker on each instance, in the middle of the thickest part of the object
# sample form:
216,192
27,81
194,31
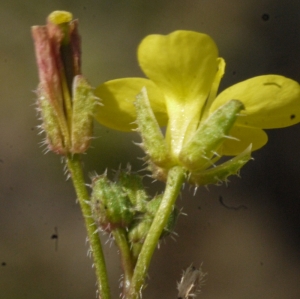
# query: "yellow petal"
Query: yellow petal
241,137
183,65
271,101
214,87
60,16
118,96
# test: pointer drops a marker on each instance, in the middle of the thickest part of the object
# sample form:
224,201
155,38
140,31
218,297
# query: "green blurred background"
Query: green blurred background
251,252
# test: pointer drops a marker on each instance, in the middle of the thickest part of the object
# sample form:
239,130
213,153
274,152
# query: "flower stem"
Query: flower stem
75,168
175,180
126,257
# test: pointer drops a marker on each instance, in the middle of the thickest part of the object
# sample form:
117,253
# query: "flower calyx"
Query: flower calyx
199,153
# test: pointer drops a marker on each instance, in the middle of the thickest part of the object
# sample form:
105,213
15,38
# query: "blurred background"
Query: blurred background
248,242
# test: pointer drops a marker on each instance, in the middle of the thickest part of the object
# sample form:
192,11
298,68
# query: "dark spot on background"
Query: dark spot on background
265,17
54,236
292,116
3,264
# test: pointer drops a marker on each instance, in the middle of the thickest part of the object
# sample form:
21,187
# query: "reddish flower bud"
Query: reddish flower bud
57,47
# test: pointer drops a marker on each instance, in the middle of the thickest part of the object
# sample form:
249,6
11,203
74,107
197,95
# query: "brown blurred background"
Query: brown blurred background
252,252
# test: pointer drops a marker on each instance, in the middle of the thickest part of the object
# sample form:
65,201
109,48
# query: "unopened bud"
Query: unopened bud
133,187
111,207
66,101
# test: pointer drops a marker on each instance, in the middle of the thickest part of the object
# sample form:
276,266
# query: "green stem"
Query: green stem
126,257
75,168
175,180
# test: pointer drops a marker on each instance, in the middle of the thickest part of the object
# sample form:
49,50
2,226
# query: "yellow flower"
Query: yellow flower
184,73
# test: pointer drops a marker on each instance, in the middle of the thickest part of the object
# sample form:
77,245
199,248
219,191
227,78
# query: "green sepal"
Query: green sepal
154,143
84,103
54,137
220,173
111,207
197,152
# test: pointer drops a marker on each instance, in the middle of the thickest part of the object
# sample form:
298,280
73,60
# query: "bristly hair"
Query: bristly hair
190,283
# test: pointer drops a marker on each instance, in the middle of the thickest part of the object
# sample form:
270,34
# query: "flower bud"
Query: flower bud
65,99
132,185
137,235
111,207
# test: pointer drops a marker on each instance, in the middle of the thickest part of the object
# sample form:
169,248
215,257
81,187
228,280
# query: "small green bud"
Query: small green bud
111,207
139,230
133,187
197,152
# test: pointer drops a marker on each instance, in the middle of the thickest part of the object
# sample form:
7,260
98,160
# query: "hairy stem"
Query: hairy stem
126,257
75,168
175,179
